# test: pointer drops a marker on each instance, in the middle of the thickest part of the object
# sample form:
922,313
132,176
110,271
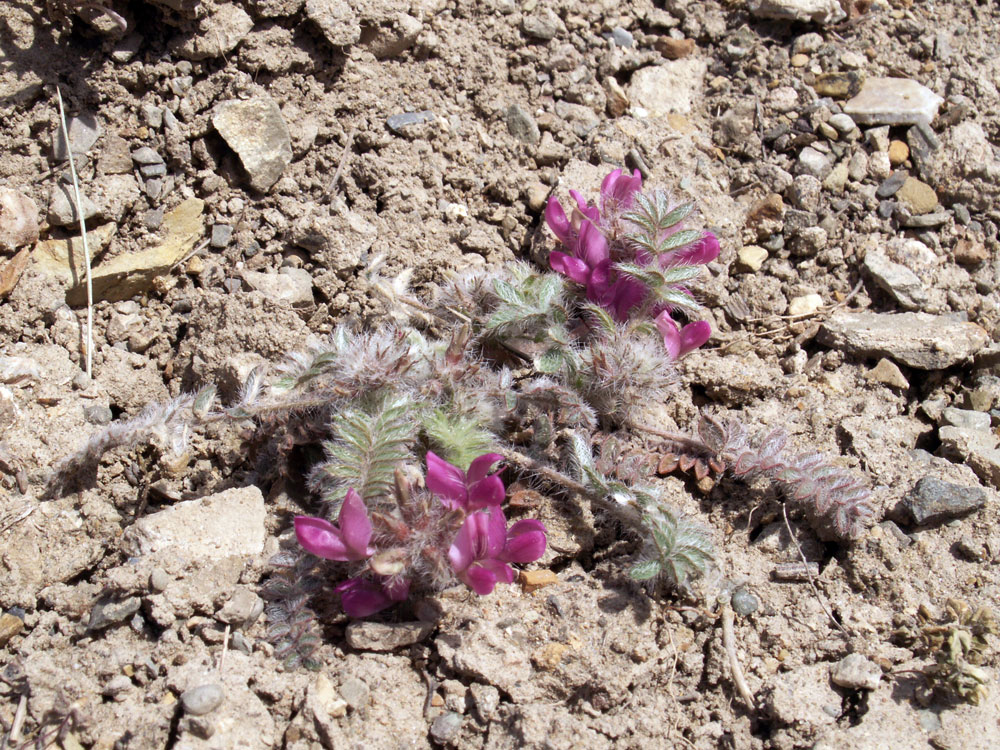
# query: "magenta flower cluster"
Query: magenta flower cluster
480,552
595,245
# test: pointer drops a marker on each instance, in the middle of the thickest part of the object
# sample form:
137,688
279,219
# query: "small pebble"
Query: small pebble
397,123
446,726
892,185
744,603
145,156
355,692
799,60
10,625
856,672
97,414
203,699
221,235
158,580
622,37
899,152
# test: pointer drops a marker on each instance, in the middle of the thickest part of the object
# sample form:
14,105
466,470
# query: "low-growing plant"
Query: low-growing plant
516,371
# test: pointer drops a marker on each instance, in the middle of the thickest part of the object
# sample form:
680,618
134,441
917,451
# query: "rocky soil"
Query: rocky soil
244,165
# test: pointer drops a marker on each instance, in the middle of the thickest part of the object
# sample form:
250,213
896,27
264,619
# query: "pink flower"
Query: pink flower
703,251
618,191
361,597
349,542
681,341
470,490
484,545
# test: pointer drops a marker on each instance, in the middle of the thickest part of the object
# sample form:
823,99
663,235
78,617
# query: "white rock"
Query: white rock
893,101
18,220
336,20
805,305
855,672
220,525
256,131
670,88
819,11
290,286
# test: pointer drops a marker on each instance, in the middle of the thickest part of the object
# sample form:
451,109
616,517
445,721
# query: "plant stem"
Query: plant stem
83,235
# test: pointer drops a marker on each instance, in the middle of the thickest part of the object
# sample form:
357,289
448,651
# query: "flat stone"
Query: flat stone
836,181
670,88
522,125
203,699
918,340
892,184
106,613
379,636
818,11
126,275
893,101
221,525
960,442
62,206
933,501
856,672
221,234
751,257
674,49
84,130
398,123
887,373
898,280
532,580
64,259
290,286
918,197
966,418
622,37
114,157
926,221
18,220
145,155
336,20
256,131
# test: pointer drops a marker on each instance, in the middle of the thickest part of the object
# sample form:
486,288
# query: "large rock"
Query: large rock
126,275
256,131
919,340
965,168
893,101
670,88
819,11
220,525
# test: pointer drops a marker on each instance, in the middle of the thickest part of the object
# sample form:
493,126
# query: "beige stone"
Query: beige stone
899,152
807,304
887,373
918,197
751,257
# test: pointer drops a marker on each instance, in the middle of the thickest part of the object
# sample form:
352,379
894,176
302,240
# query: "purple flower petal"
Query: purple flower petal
627,294
555,217
593,246
486,492
694,335
355,526
619,189
479,579
525,541
704,251
447,482
321,538
463,548
360,598
588,211
671,335
480,467
573,268
598,283
496,532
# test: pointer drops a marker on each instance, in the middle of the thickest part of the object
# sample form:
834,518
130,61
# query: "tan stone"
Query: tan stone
918,197
674,49
532,580
10,625
899,152
751,257
799,60
887,373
